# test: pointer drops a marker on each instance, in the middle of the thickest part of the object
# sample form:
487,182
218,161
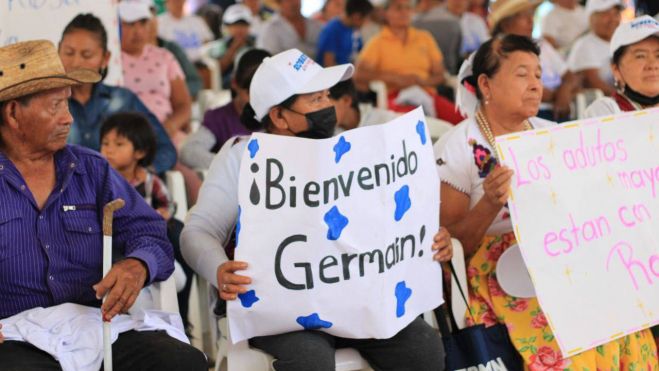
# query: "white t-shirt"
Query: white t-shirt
591,52
277,35
553,65
464,158
189,32
474,32
565,25
603,106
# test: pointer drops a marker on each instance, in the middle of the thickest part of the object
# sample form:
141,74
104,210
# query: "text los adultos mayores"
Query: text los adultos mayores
578,233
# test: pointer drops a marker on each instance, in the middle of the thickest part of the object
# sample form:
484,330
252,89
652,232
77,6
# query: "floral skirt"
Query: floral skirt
528,327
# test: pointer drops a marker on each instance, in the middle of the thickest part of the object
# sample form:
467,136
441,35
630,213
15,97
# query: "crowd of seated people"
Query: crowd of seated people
518,70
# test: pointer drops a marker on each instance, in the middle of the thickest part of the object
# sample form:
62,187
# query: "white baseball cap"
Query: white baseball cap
289,73
593,6
632,32
133,11
236,13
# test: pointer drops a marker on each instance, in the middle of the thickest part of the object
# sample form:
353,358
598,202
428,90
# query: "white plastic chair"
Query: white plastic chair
241,357
584,99
437,127
457,303
159,295
380,89
208,99
176,185
213,65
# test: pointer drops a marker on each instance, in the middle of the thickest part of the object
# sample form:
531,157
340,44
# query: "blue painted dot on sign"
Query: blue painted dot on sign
402,295
335,223
341,148
421,130
248,299
313,322
253,147
403,202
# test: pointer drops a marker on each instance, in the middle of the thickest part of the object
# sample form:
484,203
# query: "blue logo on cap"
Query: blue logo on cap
650,23
300,62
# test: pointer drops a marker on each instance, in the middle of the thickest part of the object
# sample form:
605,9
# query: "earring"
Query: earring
620,86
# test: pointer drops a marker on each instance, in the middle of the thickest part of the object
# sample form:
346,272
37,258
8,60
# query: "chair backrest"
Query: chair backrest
437,127
241,357
209,99
159,295
176,186
213,65
457,303
584,99
380,89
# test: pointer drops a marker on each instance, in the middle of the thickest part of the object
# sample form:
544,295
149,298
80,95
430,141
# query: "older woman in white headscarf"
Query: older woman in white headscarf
506,78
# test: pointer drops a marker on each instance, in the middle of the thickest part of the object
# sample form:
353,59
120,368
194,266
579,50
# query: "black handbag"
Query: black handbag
476,347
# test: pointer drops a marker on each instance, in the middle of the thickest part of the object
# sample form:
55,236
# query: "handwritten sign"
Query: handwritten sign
22,20
338,232
585,209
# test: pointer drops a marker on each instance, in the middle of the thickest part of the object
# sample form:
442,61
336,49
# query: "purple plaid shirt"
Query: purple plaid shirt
54,255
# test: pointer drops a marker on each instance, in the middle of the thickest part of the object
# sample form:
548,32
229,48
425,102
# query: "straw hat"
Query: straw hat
503,9
33,66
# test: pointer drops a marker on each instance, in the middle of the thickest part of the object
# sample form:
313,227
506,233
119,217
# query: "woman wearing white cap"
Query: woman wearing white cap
635,63
474,195
589,54
236,22
289,96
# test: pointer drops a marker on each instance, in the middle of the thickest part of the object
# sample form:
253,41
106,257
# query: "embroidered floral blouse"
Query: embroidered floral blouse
465,158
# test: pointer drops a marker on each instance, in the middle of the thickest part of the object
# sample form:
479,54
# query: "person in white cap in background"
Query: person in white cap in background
152,72
289,96
634,57
516,17
589,56
564,23
156,77
236,23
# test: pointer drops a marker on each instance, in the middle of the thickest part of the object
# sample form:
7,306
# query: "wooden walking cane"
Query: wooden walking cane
108,213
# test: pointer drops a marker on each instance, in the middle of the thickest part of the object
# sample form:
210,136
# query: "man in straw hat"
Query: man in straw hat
51,200
516,17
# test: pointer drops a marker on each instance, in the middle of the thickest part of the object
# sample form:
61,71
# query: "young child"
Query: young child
129,144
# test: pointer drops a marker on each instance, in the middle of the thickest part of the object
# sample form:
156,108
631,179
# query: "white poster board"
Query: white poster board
585,210
338,232
22,20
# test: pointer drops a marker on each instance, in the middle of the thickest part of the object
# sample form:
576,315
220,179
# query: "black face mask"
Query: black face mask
639,98
321,123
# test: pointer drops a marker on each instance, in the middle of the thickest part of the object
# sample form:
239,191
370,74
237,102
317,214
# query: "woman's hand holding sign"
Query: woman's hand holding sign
229,283
497,186
442,246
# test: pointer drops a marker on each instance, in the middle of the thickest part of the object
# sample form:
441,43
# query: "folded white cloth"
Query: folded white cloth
73,333
417,96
